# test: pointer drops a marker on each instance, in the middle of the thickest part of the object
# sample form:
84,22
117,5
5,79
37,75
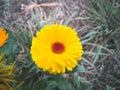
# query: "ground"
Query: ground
30,14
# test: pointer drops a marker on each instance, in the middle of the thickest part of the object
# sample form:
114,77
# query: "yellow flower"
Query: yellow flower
6,75
3,37
56,48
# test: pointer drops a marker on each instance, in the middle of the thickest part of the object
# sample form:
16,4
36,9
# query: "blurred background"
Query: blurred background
96,21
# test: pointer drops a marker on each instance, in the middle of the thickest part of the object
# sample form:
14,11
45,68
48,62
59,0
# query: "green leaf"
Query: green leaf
90,34
9,48
97,55
77,80
70,18
113,78
39,85
80,83
54,14
26,88
109,88
81,68
63,84
51,85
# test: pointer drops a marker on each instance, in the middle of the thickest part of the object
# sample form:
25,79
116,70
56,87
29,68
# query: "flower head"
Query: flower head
6,75
56,48
3,37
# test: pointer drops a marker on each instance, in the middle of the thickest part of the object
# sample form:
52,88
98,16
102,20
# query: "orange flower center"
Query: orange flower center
58,48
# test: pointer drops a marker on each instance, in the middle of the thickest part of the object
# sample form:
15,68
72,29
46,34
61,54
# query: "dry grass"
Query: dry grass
28,17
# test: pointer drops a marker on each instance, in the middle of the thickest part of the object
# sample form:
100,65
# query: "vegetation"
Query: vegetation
97,23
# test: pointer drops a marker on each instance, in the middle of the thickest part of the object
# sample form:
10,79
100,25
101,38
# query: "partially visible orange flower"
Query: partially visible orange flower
3,37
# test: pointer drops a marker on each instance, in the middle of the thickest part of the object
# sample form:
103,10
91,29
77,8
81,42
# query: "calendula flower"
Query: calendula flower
3,37
56,48
6,75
